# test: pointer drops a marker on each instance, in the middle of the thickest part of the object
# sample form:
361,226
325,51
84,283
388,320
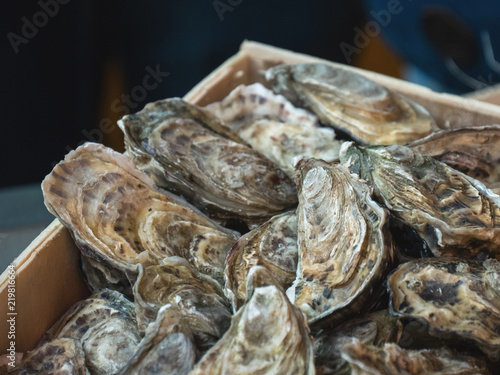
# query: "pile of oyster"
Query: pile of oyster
327,226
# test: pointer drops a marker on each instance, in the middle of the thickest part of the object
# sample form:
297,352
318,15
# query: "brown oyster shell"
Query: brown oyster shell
452,296
119,219
272,245
455,214
370,113
344,244
268,335
189,151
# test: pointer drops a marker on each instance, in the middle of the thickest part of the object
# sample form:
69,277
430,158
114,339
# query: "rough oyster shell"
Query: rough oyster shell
199,299
370,113
119,219
473,150
167,347
268,335
184,149
272,245
453,296
62,357
105,325
344,247
391,359
452,212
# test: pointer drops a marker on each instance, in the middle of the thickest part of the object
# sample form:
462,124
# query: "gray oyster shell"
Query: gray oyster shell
366,359
120,219
199,299
343,241
62,357
191,152
272,245
454,213
453,296
370,113
268,335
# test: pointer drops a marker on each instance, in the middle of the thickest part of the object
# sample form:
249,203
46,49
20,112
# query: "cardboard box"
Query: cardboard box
48,280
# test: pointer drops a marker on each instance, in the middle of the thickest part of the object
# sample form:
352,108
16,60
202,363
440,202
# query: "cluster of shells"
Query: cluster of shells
248,237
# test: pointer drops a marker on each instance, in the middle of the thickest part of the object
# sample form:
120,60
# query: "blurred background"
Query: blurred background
69,67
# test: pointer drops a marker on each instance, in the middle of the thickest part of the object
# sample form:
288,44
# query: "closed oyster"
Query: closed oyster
452,212
62,357
119,219
268,335
344,246
370,113
452,296
199,299
375,329
189,151
248,104
473,150
105,325
272,245
391,359
167,347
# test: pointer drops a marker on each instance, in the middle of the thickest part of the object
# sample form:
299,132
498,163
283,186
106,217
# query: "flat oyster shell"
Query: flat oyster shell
199,299
370,113
451,295
62,357
167,347
453,213
184,149
473,150
268,335
391,359
272,245
105,325
344,245
119,219
248,104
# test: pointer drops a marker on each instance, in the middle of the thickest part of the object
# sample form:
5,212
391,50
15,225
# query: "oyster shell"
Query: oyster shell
248,104
268,335
391,359
376,329
272,245
119,219
61,357
184,149
452,212
344,247
105,325
199,299
473,150
167,347
453,296
370,113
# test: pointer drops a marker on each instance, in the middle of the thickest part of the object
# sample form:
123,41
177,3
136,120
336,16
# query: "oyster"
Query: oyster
370,113
119,219
344,247
61,357
106,327
473,150
452,296
167,347
268,335
391,359
189,151
199,299
272,245
452,212
248,104
376,329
